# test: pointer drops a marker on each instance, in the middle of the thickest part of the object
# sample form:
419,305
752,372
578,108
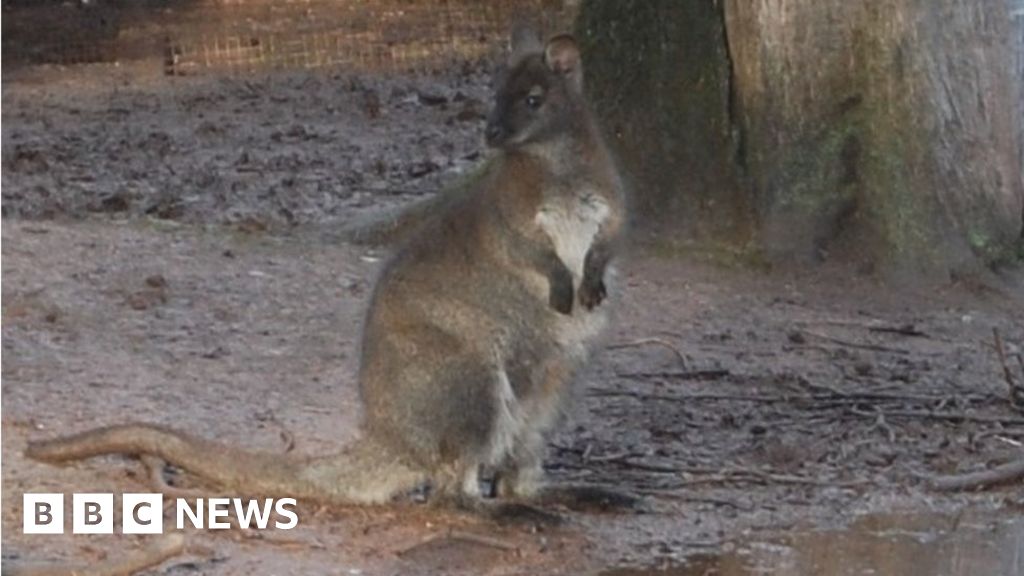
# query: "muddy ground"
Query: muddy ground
169,255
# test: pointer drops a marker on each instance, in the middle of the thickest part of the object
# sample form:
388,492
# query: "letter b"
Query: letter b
92,514
43,514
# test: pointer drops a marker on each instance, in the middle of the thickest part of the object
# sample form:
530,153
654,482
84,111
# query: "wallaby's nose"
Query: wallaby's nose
493,133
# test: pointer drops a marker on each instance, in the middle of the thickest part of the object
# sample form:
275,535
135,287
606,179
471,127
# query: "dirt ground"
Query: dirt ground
157,266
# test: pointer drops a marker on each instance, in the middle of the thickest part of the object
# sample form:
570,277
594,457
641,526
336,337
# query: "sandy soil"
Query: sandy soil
739,401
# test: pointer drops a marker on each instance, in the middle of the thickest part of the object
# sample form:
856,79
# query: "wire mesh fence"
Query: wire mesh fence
197,36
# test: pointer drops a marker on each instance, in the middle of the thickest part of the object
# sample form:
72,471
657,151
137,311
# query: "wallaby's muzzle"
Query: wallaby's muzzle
494,134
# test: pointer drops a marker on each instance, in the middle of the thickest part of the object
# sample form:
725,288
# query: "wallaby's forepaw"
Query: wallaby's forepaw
586,498
592,293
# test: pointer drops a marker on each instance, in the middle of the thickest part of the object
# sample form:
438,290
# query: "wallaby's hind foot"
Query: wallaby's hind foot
504,512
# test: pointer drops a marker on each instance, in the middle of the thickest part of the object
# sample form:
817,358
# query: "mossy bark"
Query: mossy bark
658,75
881,131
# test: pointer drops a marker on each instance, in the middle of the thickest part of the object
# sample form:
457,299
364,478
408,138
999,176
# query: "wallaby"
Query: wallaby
476,326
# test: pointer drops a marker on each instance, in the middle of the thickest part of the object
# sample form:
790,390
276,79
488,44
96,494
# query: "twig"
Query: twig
706,374
902,330
453,534
288,438
953,417
684,497
789,479
736,475
880,423
1016,392
858,345
754,476
656,341
666,468
482,540
976,480
156,553
835,397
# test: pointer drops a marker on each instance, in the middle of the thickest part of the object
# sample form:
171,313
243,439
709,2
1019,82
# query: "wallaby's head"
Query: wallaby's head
540,94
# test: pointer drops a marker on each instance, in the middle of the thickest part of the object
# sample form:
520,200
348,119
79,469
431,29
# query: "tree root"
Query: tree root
156,553
1008,472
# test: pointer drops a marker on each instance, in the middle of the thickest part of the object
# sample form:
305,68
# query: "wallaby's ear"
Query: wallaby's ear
525,41
562,56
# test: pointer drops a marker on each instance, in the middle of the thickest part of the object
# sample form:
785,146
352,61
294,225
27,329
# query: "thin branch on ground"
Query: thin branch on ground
1016,390
880,423
461,535
858,345
1009,472
831,397
655,341
736,474
482,540
951,417
749,475
705,374
685,497
902,330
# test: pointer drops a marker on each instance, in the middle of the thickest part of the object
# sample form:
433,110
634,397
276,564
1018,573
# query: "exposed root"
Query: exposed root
156,553
1009,472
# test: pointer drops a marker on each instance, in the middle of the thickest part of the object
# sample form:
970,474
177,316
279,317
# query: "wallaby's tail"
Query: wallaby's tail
363,472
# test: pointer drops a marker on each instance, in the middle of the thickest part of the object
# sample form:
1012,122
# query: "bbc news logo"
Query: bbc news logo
144,513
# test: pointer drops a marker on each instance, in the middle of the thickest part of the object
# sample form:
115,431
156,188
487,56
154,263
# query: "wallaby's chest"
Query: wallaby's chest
572,219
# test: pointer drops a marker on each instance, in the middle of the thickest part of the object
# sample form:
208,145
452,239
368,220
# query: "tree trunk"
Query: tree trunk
887,132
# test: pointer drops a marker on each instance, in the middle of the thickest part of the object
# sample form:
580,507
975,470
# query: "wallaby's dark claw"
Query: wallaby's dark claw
592,293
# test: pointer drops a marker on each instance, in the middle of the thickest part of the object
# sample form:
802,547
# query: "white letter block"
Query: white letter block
43,514
92,514
142,514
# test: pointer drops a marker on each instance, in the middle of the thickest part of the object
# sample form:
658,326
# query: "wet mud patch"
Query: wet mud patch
913,544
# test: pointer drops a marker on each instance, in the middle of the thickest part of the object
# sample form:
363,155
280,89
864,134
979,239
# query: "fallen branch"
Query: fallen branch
156,553
976,480
647,341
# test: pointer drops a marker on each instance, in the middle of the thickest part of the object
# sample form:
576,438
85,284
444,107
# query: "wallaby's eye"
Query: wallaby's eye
533,102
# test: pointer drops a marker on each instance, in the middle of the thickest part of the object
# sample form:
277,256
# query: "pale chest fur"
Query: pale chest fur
572,221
